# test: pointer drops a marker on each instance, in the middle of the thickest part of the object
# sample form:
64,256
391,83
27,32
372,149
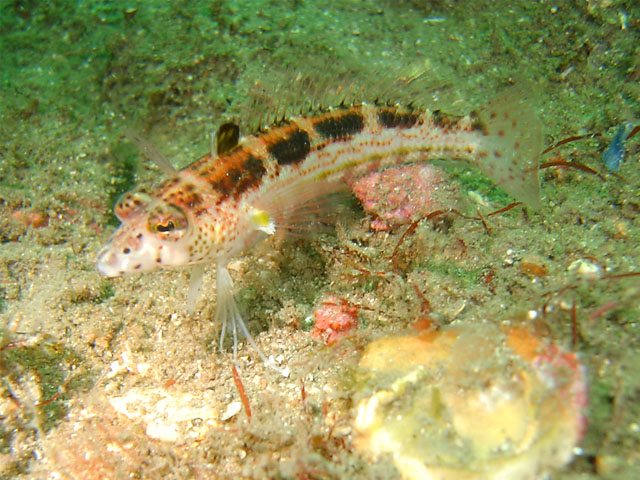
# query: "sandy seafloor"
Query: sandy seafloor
75,74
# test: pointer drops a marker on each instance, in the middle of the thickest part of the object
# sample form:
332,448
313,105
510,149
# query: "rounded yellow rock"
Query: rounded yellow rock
472,402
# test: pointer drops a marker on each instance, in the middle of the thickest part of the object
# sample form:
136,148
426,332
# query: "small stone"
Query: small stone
585,268
143,368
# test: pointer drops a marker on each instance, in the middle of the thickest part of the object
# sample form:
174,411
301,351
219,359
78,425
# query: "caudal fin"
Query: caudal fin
512,143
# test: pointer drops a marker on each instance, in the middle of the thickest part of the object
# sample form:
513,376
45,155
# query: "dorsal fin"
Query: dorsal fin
151,152
227,138
287,93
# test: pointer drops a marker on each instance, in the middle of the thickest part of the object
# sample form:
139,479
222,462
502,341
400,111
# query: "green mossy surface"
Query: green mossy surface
46,368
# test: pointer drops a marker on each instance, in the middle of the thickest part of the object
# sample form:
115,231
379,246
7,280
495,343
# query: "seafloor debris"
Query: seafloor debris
333,319
101,437
398,196
472,402
168,416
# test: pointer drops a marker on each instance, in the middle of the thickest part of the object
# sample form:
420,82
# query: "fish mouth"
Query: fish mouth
106,264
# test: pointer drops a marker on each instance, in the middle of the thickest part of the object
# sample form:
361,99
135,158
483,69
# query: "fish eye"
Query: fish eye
167,227
169,221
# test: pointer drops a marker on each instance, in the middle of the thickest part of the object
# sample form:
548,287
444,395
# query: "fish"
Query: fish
247,189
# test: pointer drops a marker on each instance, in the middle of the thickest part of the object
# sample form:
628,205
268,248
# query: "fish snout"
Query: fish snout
108,263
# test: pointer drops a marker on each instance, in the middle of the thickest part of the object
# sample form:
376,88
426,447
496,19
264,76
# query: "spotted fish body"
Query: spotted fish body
222,204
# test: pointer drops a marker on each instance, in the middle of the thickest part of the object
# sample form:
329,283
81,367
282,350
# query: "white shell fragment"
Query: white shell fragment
585,268
169,416
232,410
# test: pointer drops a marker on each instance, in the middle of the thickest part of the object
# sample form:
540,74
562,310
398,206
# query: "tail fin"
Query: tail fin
512,144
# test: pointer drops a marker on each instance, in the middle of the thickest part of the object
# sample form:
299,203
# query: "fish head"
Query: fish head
154,233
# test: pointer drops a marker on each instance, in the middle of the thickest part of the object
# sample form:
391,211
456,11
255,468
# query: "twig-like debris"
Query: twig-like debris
576,165
570,139
633,132
243,395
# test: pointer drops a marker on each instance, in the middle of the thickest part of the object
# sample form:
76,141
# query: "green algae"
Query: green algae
51,369
106,292
474,181
50,363
465,277
3,300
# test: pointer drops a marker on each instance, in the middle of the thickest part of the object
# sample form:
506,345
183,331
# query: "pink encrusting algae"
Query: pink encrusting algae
398,196
273,181
334,318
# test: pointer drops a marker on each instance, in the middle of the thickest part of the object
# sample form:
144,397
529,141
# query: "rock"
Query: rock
470,403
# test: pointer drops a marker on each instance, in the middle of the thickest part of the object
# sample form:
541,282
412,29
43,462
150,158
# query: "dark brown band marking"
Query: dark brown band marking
342,126
476,122
252,173
444,121
390,118
193,200
292,149
238,179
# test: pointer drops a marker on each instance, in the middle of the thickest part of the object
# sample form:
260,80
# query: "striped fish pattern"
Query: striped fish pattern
228,200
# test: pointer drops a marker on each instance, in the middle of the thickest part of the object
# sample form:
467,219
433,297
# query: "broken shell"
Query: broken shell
470,403
585,268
